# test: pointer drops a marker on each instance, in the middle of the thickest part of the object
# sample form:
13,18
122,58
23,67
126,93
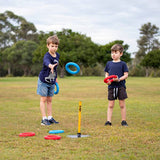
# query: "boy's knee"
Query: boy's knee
122,106
111,106
43,99
49,100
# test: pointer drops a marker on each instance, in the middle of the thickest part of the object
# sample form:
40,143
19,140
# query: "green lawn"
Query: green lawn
19,112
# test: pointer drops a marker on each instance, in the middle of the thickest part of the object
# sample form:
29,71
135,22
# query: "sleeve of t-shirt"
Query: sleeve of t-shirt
106,68
125,68
46,60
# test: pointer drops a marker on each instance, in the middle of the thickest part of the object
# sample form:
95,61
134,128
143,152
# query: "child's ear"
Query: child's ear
121,53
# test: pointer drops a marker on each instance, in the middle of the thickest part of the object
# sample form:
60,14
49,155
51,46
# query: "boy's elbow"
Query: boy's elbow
126,75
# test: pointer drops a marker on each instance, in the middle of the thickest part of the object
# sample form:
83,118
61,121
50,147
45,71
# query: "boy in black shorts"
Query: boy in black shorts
116,89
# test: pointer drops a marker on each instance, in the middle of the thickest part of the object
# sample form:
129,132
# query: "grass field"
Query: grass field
19,112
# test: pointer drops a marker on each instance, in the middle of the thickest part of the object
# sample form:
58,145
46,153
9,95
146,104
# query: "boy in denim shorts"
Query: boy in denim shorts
117,88
47,79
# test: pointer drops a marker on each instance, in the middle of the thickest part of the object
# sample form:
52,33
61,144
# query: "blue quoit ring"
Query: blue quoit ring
56,131
57,88
72,64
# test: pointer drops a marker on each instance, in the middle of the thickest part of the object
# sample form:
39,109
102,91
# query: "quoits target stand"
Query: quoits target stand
79,135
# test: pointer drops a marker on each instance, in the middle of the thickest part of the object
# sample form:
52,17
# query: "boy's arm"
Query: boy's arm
46,62
125,76
106,75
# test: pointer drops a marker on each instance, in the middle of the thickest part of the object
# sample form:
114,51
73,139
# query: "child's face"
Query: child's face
52,48
116,55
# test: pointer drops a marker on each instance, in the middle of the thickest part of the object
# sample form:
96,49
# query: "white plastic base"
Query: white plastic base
75,136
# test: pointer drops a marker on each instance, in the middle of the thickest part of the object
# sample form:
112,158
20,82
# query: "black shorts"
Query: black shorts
114,93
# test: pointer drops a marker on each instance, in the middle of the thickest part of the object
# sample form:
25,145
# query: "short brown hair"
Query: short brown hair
53,39
117,47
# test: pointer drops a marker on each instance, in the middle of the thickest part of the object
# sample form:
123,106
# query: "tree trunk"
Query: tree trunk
62,69
81,71
147,72
25,71
9,69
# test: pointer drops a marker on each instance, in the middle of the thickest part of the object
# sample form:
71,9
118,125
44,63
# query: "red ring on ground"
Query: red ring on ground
27,134
52,137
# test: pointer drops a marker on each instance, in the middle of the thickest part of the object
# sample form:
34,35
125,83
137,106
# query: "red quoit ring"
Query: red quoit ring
109,78
52,137
27,134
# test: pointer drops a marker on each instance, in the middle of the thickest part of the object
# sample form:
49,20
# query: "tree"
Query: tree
14,28
73,46
152,59
18,58
78,48
148,41
104,53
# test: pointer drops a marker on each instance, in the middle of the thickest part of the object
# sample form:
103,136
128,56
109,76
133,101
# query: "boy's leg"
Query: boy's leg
49,110
123,109
49,106
42,105
42,108
110,110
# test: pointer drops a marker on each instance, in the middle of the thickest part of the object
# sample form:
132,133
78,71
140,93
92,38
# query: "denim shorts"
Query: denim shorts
44,89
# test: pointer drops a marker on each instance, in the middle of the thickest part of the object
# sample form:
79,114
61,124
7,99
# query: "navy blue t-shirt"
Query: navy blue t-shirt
116,68
48,59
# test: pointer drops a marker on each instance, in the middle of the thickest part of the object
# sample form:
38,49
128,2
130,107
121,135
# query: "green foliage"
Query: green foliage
19,56
97,70
41,49
14,28
104,53
152,59
73,46
76,47
148,41
137,71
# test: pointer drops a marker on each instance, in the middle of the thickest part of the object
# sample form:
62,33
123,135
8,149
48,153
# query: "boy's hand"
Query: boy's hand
116,79
51,66
109,82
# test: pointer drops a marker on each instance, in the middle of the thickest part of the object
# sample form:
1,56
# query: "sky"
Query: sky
102,20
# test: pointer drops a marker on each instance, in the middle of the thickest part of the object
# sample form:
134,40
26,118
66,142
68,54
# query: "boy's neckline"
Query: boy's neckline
53,55
116,61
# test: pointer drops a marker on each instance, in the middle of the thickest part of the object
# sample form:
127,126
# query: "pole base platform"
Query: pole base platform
76,136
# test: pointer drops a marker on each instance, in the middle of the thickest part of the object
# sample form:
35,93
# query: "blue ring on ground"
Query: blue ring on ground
72,64
57,88
56,131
